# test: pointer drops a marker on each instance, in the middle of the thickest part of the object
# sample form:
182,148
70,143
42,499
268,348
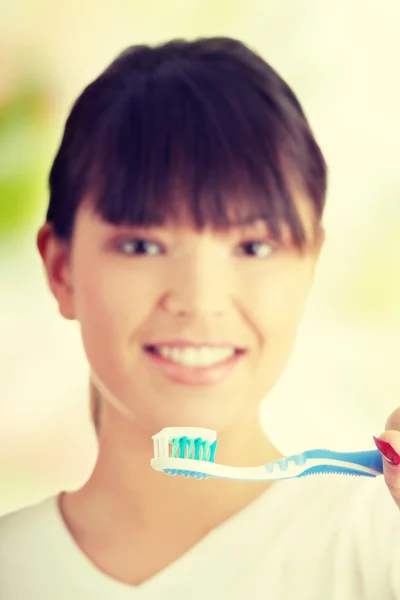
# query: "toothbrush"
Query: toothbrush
190,451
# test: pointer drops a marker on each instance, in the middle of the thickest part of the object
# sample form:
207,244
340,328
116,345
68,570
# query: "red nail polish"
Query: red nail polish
388,451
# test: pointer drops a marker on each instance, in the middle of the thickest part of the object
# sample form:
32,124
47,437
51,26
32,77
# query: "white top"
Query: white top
324,537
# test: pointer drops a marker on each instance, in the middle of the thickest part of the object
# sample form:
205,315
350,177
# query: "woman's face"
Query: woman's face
186,328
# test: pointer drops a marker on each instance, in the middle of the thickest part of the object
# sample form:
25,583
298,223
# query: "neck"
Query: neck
125,486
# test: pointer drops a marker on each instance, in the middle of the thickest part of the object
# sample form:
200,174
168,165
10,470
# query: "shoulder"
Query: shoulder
26,526
343,506
34,562
347,527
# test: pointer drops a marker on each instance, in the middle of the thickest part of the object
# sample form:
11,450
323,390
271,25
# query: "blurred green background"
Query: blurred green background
341,59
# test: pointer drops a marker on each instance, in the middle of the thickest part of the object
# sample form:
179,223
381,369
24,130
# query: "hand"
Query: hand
390,450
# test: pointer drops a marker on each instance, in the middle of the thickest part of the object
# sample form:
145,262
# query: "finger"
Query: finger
393,421
391,471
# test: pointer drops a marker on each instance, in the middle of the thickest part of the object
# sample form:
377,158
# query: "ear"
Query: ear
316,252
55,254
320,241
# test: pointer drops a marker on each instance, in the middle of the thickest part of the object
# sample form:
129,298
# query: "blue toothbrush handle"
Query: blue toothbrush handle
367,463
366,458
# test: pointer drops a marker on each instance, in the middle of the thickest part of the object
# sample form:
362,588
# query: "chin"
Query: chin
208,417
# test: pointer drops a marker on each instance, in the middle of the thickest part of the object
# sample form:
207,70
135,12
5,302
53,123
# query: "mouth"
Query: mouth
194,365
195,356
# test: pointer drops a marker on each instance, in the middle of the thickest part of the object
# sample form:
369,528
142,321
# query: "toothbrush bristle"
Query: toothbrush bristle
193,448
194,443
186,473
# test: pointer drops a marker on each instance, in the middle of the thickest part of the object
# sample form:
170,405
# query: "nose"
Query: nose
199,287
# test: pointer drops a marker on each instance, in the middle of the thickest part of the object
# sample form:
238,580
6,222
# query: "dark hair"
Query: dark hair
205,126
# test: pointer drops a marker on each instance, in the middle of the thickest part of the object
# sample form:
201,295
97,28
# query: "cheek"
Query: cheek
278,302
110,309
277,305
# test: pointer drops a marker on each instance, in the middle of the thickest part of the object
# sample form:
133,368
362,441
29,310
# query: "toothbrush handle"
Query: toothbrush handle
371,459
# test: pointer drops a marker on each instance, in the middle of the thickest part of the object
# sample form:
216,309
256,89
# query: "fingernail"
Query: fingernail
388,451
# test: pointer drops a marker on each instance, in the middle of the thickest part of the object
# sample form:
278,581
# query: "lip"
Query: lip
194,376
181,343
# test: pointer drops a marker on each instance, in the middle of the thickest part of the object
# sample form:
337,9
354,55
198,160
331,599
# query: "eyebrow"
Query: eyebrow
239,222
259,220
252,220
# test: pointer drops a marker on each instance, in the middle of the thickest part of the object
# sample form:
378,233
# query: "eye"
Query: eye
258,249
139,247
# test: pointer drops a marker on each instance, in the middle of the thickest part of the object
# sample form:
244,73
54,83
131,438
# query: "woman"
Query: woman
183,233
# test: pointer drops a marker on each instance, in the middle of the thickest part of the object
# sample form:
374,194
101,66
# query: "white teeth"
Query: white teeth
204,356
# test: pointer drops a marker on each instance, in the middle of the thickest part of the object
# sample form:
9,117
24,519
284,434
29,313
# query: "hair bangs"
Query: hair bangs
181,148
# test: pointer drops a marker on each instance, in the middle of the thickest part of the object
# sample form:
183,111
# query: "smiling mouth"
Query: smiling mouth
195,356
